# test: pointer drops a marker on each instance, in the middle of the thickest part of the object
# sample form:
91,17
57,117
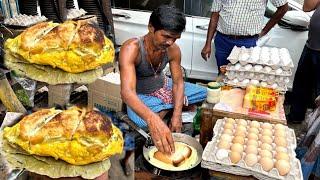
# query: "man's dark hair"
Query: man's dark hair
168,18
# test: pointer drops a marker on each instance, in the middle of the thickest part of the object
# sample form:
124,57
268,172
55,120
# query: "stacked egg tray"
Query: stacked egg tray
263,150
238,75
260,66
24,20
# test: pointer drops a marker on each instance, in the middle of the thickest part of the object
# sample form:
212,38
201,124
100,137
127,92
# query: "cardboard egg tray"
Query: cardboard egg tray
280,89
269,79
24,20
265,57
232,67
211,161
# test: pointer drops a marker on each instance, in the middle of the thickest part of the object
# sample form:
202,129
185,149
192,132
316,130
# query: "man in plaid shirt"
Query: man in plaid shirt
238,23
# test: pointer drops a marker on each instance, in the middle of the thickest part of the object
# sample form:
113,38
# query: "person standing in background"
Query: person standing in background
238,23
307,77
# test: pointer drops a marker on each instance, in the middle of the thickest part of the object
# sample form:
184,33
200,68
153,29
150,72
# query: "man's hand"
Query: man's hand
176,124
206,52
161,135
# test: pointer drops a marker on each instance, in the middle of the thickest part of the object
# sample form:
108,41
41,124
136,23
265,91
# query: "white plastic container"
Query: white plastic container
214,92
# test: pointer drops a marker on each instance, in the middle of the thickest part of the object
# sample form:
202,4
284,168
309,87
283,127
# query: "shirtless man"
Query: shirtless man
148,93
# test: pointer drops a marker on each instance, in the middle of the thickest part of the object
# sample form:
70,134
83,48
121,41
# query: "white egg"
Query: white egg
235,81
279,71
244,57
254,82
237,66
257,68
264,84
248,67
267,69
221,154
274,86
245,82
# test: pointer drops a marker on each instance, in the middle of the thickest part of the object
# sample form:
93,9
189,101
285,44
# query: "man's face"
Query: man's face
163,39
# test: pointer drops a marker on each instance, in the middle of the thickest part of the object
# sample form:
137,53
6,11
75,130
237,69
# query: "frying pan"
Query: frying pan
177,137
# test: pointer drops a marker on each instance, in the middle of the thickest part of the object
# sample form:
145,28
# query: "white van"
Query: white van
131,19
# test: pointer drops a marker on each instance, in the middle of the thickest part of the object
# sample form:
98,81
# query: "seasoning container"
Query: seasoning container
214,92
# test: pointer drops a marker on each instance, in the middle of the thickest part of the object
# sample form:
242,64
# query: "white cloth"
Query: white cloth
241,17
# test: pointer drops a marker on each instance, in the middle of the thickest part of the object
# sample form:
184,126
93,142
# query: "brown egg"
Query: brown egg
252,142
253,136
282,156
251,149
226,137
240,133
283,167
224,145
266,146
266,163
280,133
236,147
227,131
281,149
265,153
241,128
242,122
253,130
266,126
279,127
251,159
238,139
228,126
280,141
235,157
230,120
266,139
266,132
255,124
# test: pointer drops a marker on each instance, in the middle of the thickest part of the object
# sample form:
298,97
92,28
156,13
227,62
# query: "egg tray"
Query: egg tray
246,56
211,161
23,20
216,165
75,13
240,68
281,90
269,79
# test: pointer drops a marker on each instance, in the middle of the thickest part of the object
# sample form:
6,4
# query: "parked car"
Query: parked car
131,19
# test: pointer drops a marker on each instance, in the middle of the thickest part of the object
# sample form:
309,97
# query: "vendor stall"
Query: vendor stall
244,130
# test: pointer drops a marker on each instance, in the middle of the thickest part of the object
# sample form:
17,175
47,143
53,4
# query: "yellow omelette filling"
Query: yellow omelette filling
73,59
185,165
75,151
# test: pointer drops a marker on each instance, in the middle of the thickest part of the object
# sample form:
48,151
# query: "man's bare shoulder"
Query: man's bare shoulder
129,50
131,43
174,51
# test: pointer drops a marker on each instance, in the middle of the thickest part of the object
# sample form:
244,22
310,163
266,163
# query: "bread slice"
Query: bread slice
182,153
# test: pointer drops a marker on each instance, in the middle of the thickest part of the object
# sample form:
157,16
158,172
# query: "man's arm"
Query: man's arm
159,131
274,19
177,87
310,5
206,51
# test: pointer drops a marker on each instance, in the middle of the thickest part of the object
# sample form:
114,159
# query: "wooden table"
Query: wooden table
209,116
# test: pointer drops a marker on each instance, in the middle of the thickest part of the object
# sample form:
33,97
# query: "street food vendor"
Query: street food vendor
148,93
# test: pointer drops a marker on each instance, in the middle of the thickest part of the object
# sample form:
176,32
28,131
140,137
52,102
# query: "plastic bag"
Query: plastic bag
24,88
